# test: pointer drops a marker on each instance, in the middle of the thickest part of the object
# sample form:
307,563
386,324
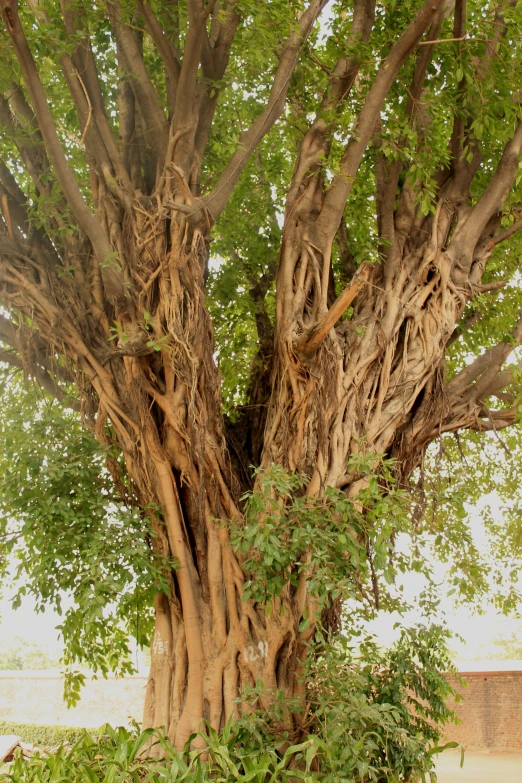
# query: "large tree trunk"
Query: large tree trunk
164,407
358,388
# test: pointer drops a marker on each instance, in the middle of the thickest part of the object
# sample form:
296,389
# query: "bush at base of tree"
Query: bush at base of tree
378,716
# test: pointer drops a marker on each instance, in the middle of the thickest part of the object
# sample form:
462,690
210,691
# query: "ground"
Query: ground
482,766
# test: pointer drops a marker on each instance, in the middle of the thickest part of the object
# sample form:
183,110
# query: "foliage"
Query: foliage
376,716
509,647
245,246
469,515
41,735
119,756
66,537
381,710
348,541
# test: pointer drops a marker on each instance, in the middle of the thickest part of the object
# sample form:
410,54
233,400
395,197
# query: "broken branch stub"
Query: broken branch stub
310,342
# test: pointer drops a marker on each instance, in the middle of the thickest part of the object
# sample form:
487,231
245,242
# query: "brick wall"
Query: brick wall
491,710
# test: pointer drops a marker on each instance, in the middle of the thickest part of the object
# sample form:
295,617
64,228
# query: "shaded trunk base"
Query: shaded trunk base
243,670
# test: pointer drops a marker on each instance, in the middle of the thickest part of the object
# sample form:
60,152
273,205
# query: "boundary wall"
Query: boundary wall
490,711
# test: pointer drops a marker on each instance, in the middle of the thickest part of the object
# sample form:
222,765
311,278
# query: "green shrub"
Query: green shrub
120,756
241,753
379,714
42,736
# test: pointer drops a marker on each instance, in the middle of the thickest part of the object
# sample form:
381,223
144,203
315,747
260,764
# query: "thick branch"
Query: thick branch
468,233
214,62
457,136
166,50
94,145
462,135
128,133
315,147
87,221
388,174
310,342
346,68
337,195
217,200
185,113
83,60
485,367
29,143
151,112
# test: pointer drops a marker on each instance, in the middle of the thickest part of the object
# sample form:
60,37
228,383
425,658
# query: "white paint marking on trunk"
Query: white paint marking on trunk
159,646
252,653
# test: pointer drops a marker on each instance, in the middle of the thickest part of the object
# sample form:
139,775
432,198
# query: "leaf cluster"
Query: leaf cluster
380,713
337,543
67,539
471,517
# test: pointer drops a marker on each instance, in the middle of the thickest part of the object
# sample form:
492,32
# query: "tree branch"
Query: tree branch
389,173
345,255
166,50
99,144
484,368
127,129
40,375
503,235
217,200
346,68
457,136
468,232
214,62
85,65
14,200
337,195
151,113
495,421
309,343
10,335
94,145
113,282
32,154
462,134
315,146
185,112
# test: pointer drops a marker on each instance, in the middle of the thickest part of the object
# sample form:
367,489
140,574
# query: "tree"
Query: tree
509,647
19,654
357,166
